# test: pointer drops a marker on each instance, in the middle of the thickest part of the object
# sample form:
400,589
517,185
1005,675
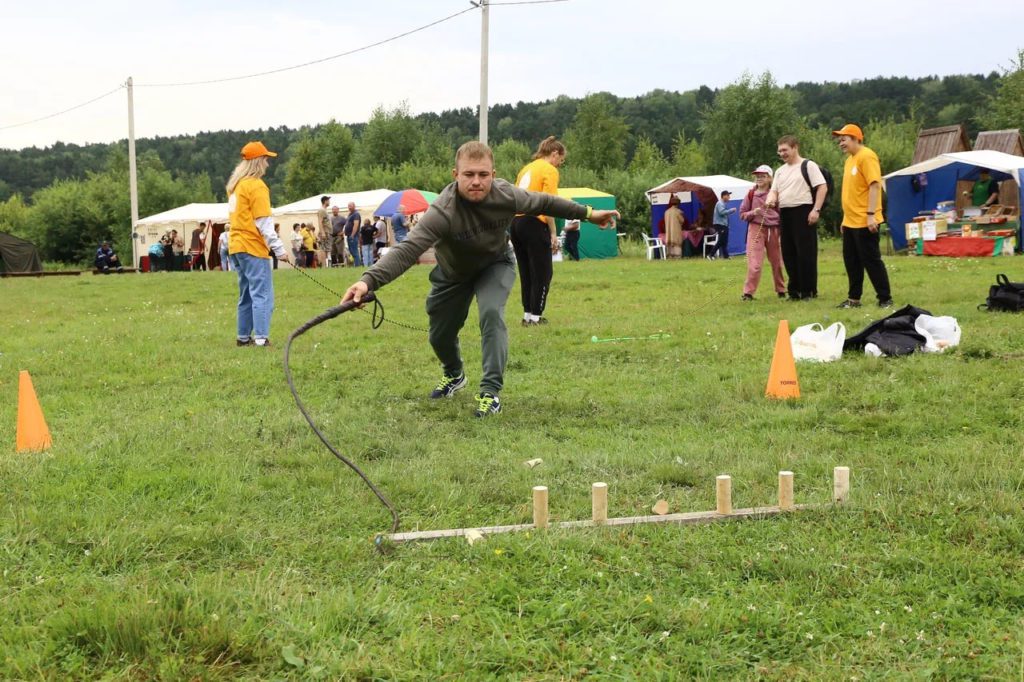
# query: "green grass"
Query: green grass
188,525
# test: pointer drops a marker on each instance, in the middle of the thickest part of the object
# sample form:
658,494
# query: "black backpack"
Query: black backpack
1004,295
830,184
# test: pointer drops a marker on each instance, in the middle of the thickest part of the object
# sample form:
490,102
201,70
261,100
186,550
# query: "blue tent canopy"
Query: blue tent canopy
922,186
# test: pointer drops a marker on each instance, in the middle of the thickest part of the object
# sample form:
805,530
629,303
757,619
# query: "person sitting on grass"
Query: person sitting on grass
468,227
106,260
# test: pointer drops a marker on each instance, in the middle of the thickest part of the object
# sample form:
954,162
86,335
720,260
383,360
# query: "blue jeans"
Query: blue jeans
400,234
225,263
353,248
366,250
255,295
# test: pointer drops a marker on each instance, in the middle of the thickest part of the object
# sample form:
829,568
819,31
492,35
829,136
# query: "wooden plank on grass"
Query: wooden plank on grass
687,518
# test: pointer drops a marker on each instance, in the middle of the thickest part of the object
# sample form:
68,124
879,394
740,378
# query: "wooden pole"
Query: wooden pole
599,503
724,494
840,484
785,490
540,506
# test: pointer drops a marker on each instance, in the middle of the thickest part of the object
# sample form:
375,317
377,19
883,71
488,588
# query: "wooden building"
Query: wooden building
934,141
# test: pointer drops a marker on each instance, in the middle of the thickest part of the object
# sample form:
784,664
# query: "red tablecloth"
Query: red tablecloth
963,247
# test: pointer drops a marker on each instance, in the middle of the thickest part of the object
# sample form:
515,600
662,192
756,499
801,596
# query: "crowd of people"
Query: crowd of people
346,240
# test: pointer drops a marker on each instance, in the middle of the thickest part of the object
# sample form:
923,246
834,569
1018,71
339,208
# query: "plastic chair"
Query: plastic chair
712,241
654,244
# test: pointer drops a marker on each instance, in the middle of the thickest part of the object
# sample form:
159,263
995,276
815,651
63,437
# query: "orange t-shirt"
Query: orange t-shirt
249,201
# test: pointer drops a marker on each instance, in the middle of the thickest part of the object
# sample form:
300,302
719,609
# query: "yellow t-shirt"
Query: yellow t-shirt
308,240
539,176
249,201
860,171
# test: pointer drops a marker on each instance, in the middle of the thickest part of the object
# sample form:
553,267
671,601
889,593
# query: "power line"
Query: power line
315,61
525,2
63,111
286,68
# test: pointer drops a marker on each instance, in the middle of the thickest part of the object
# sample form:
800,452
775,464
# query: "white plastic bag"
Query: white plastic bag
939,333
811,342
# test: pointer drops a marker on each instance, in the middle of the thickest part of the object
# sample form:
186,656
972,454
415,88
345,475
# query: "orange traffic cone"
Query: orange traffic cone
32,432
782,381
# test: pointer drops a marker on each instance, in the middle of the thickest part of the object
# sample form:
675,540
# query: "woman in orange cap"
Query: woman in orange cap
251,240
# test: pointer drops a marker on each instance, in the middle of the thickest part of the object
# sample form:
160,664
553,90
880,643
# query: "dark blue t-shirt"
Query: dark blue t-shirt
352,224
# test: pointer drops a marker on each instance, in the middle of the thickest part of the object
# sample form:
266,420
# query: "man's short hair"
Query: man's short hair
789,141
324,199
474,150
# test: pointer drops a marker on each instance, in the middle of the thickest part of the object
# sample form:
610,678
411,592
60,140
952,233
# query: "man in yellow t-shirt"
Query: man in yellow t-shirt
862,214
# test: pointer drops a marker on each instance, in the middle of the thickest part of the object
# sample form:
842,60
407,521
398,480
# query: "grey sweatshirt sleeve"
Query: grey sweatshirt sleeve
401,257
541,203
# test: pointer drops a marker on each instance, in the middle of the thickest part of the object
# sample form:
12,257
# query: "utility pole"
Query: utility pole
133,184
484,27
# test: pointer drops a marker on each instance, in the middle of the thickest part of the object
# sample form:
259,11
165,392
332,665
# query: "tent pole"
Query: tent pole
133,185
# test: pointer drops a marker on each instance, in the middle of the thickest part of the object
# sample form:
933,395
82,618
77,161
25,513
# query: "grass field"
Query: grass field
187,524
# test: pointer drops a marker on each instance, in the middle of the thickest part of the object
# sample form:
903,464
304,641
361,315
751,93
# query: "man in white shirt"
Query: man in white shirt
798,189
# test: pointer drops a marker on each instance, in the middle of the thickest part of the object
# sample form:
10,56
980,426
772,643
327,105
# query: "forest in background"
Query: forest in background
68,197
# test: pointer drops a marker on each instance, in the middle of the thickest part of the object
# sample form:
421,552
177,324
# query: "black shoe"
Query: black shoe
746,297
795,297
849,304
447,387
265,344
542,320
887,303
526,323
782,294
248,342
487,404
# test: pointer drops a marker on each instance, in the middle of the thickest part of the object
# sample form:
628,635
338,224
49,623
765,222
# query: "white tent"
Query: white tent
184,219
304,211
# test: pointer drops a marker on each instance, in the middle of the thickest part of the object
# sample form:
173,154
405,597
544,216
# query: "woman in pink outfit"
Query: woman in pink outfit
762,235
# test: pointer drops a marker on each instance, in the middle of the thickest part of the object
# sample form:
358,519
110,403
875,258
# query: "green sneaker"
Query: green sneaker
447,386
487,404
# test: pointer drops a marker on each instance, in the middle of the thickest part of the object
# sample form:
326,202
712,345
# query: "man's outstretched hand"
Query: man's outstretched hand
604,219
355,293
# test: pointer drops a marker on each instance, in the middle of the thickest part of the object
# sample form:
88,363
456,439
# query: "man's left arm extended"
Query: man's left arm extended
539,203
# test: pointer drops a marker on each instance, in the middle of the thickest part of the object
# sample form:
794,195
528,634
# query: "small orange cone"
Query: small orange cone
32,431
782,382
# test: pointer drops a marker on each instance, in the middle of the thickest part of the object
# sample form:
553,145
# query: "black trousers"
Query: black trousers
799,251
722,249
572,243
531,240
861,252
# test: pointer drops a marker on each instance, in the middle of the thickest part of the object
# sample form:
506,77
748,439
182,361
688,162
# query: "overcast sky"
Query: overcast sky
57,55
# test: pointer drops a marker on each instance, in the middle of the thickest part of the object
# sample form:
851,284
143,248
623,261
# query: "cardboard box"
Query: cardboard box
927,229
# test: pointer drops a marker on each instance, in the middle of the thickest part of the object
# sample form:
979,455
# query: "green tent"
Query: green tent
594,242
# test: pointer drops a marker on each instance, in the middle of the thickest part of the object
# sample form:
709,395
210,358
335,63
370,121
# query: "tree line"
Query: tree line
67,197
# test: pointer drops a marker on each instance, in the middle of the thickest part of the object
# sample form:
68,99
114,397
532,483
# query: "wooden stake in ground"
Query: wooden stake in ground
599,503
540,506
724,494
840,484
785,490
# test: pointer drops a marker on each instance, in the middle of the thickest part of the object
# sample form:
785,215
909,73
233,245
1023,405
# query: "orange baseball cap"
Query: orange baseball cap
851,130
254,150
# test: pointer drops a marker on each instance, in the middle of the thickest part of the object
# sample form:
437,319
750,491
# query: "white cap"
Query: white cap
763,168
